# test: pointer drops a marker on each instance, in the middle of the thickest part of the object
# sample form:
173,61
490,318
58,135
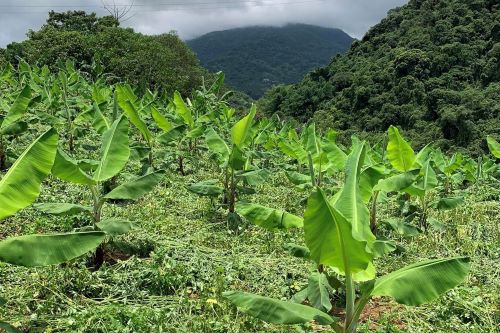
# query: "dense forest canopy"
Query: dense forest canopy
430,67
256,58
161,62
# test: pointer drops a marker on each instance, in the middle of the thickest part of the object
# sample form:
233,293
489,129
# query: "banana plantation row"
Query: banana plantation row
345,184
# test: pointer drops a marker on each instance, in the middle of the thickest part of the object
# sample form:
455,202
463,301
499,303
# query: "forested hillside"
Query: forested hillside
430,67
256,58
157,62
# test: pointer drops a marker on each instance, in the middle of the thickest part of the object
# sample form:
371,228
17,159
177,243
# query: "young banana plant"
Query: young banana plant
313,154
11,121
339,239
181,130
19,187
133,110
114,155
232,158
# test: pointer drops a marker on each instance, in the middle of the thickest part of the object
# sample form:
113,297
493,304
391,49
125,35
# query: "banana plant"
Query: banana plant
232,157
182,128
493,146
404,167
114,155
447,167
313,154
338,239
19,187
11,121
131,107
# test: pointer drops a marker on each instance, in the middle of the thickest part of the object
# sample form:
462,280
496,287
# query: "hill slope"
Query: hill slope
161,62
256,58
430,67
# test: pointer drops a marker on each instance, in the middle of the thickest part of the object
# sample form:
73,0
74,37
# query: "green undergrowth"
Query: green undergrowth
168,274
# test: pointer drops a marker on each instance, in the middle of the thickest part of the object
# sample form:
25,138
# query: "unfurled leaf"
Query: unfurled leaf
161,120
115,150
21,184
206,188
133,115
44,250
330,239
494,146
100,122
396,183
182,110
318,291
136,188
275,311
115,226
422,282
402,228
383,247
62,208
240,130
216,144
17,110
69,170
399,152
350,201
267,217
448,203
254,177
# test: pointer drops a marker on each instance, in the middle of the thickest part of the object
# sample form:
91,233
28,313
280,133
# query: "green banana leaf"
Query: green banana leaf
329,237
448,203
115,226
206,188
182,110
115,150
493,146
15,128
21,184
350,201
44,250
8,328
421,282
318,291
18,109
240,131
68,169
267,217
62,208
275,311
216,144
160,120
396,183
399,152
100,122
133,115
136,188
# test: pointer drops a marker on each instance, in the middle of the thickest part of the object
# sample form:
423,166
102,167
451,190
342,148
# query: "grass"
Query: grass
185,257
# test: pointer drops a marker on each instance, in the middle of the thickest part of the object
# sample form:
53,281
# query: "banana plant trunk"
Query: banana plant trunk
373,213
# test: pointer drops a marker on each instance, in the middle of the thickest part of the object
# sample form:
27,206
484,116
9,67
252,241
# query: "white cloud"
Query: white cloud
192,18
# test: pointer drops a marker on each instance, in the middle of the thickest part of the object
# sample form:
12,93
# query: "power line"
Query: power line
179,4
175,7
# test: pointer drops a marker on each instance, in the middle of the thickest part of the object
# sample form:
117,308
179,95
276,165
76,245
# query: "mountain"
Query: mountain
430,67
256,58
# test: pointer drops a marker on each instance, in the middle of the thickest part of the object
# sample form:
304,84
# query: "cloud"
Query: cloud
192,18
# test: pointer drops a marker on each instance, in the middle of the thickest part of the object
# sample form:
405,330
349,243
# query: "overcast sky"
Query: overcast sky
192,18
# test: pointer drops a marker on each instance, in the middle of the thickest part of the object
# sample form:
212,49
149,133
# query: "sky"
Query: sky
192,18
